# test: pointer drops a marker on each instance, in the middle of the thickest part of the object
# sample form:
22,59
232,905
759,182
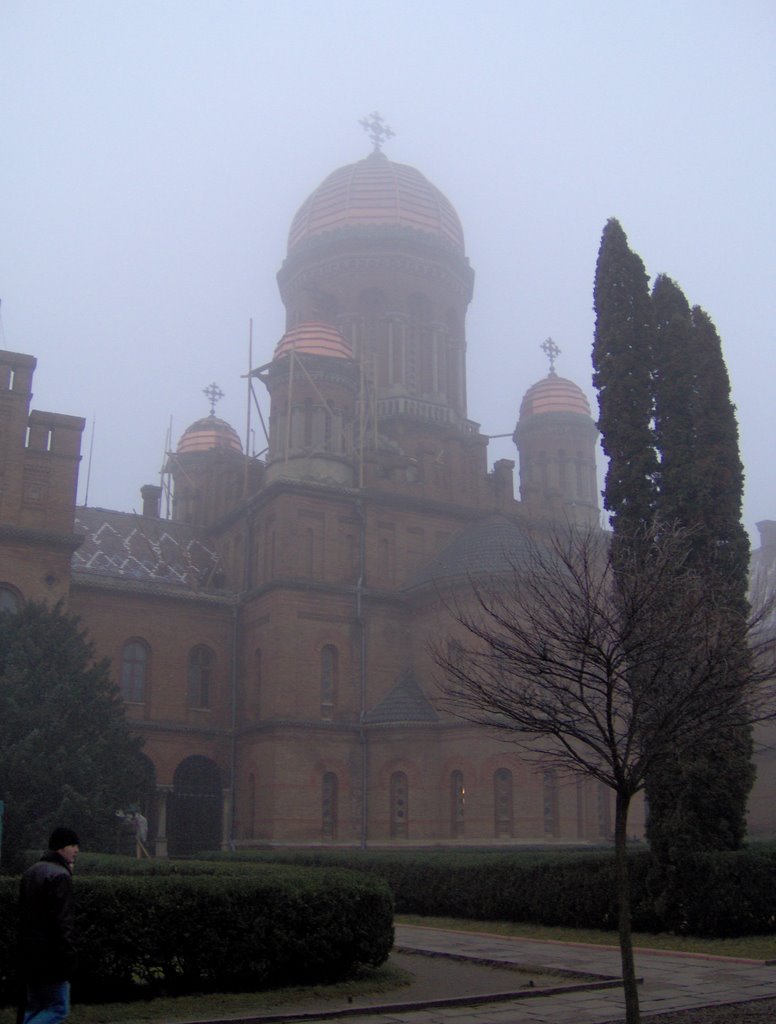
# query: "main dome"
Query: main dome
375,192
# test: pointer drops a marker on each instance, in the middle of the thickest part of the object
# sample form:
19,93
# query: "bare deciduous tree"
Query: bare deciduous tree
600,666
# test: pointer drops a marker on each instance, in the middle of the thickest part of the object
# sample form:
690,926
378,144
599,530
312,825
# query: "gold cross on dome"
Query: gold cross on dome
214,394
552,352
377,130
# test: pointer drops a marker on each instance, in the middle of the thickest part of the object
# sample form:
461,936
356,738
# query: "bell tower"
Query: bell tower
556,439
377,252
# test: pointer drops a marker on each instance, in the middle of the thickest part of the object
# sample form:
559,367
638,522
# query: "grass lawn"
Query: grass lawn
203,1007
753,947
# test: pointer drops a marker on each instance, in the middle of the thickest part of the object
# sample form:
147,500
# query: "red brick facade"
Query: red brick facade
271,639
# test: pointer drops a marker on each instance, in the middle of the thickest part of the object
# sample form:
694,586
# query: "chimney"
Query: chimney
152,496
767,528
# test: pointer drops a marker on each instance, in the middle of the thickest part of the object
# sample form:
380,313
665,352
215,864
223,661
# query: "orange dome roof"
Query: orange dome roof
208,433
375,192
554,394
313,338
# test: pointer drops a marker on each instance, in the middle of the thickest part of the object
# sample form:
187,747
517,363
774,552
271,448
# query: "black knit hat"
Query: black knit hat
62,837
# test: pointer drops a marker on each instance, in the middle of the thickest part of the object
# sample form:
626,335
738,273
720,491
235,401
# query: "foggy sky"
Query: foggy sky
153,155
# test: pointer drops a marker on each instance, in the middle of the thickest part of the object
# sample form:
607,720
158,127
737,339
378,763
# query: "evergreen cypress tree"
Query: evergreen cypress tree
676,403
669,428
719,468
622,365
700,802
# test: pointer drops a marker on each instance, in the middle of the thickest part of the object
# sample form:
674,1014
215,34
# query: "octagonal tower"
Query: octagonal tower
377,251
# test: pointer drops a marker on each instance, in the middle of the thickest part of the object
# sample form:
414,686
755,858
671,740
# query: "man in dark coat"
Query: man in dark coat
46,938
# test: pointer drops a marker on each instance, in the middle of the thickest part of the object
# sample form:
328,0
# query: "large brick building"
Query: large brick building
270,637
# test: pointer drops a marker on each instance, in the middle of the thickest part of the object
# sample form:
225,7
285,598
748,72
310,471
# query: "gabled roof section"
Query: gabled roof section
405,703
123,547
485,548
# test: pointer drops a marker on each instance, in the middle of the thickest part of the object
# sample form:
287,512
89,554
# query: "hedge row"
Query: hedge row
227,932
713,895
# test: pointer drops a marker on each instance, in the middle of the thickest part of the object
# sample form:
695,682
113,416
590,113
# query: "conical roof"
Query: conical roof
484,548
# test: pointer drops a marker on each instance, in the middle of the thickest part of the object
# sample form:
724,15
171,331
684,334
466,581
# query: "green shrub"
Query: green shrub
713,895
227,930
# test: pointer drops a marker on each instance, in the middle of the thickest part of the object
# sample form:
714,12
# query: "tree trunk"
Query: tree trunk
629,984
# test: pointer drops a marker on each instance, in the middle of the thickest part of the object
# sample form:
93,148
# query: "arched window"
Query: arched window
503,801
134,671
399,806
9,599
201,663
457,800
329,806
329,679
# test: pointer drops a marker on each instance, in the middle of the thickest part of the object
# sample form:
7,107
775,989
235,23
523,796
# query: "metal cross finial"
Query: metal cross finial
377,130
213,394
552,352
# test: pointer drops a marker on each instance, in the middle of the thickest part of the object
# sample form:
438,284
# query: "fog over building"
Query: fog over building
268,617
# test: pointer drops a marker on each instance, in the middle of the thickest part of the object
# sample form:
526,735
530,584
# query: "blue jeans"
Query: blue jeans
47,1004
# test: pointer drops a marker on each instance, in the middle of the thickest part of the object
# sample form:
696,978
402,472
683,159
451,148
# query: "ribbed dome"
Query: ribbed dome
377,193
208,433
314,338
554,394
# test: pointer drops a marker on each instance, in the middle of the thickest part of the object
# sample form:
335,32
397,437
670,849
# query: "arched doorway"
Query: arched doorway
194,810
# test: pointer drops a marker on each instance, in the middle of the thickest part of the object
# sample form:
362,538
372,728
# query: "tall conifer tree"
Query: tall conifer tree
669,428
622,365
676,403
699,802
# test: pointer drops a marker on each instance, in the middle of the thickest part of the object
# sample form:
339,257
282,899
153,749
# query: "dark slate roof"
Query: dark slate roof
406,702
124,546
485,548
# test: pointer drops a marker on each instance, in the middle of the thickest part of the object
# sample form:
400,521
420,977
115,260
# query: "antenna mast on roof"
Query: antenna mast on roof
165,474
89,464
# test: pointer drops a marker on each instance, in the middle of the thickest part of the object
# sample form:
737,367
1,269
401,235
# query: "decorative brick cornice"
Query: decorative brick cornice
41,538
147,588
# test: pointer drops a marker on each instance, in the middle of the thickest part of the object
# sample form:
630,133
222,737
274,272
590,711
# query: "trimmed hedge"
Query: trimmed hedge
719,895
225,931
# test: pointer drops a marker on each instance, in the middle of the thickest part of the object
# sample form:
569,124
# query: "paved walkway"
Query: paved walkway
670,982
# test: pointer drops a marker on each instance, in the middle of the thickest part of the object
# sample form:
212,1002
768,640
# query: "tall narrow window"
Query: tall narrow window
399,806
134,671
550,803
604,810
457,801
257,669
329,806
329,680
251,824
200,677
503,801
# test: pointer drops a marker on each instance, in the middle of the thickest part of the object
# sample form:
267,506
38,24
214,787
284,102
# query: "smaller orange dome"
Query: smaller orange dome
208,433
315,339
554,394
